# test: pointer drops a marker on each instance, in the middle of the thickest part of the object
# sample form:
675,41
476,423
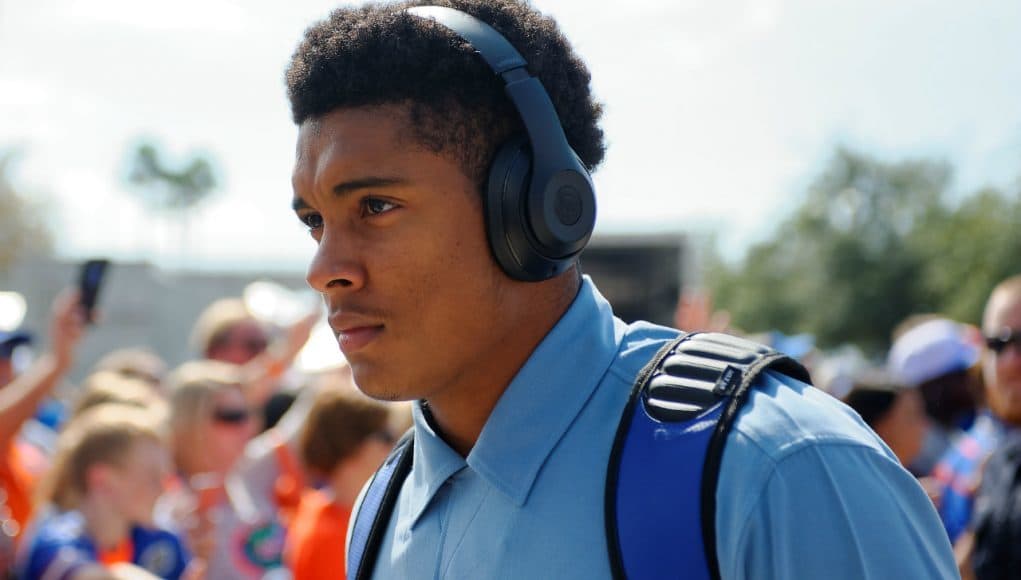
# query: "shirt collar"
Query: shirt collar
534,413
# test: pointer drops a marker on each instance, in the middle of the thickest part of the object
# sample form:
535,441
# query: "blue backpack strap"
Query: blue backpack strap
373,515
664,466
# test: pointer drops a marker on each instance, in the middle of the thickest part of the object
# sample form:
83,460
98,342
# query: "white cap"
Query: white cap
930,350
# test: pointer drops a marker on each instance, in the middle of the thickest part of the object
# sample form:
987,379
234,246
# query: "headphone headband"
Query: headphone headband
540,201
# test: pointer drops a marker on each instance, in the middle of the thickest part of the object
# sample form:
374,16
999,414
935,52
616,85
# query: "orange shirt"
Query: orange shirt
122,552
315,539
16,483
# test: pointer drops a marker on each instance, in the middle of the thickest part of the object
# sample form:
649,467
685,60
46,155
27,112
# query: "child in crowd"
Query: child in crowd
97,518
346,438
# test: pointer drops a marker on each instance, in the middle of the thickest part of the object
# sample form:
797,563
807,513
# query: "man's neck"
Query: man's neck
459,415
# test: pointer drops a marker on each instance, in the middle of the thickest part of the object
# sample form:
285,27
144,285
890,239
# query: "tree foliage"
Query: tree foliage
164,187
22,231
872,243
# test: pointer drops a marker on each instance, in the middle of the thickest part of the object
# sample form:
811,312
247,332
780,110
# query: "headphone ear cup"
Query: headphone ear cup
504,202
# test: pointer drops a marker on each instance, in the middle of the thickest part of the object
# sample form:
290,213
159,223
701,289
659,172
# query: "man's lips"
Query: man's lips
354,332
355,338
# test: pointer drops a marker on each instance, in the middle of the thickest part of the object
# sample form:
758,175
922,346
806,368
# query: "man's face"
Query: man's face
1002,371
418,305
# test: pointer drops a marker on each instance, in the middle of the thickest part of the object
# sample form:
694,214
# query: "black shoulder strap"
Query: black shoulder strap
692,380
373,515
764,359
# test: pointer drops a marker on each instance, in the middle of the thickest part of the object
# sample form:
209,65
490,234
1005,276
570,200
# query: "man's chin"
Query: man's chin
370,385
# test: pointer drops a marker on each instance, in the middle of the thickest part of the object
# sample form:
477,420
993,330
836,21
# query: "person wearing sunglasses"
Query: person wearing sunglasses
236,490
227,331
997,518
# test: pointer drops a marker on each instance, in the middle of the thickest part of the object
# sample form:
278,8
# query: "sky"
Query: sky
717,114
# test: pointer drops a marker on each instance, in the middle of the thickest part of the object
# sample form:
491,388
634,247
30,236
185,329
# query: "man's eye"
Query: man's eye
314,221
376,206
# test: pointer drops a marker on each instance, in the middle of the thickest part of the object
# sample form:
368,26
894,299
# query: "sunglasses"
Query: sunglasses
1005,338
231,416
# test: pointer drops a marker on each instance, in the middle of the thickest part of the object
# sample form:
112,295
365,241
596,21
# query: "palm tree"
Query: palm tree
172,191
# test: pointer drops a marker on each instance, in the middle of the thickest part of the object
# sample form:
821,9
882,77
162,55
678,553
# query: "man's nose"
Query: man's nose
335,266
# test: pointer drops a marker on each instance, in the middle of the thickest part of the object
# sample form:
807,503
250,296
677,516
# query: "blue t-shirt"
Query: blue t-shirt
58,544
806,490
959,471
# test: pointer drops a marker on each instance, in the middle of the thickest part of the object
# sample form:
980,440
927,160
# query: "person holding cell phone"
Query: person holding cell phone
20,396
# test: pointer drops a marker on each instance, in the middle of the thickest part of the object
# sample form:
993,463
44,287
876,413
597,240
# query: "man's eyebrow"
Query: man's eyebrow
347,187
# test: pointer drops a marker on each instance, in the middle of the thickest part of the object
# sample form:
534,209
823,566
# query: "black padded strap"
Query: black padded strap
684,379
375,510
613,472
714,454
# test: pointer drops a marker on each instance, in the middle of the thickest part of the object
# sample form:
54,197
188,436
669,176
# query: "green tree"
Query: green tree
174,192
164,187
872,243
22,231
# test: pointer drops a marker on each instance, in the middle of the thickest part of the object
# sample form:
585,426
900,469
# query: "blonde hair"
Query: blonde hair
193,386
104,387
215,323
136,363
101,435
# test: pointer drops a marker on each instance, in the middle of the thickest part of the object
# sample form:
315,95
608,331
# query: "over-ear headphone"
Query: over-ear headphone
539,202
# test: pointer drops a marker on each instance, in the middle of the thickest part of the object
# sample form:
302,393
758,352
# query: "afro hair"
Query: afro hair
381,55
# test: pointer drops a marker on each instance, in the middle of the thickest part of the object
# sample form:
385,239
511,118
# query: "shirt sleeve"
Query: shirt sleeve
836,510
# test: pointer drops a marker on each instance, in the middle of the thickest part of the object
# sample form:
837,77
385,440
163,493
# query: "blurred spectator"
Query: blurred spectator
226,331
135,363
20,396
893,411
243,487
959,471
111,387
346,438
108,472
936,356
997,521
9,341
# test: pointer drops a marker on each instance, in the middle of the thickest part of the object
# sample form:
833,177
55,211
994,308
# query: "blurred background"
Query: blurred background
818,167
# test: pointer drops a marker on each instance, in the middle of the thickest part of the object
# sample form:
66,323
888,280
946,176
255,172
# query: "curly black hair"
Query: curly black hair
380,55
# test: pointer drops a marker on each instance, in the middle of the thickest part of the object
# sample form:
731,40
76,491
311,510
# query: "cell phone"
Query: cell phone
89,282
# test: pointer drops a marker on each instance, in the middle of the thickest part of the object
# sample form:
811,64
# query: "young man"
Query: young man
520,385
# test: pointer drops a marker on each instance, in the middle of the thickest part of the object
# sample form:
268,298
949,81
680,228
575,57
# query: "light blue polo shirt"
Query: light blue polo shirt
806,489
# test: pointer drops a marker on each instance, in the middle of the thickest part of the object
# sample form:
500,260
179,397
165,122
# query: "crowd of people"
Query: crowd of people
947,401
232,465
221,468
526,390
